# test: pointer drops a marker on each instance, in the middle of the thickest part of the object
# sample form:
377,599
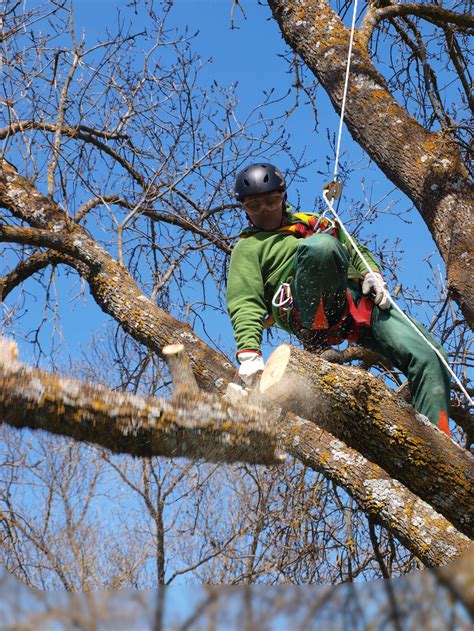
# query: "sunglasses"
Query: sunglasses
263,204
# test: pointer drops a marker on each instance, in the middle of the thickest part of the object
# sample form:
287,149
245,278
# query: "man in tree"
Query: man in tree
301,269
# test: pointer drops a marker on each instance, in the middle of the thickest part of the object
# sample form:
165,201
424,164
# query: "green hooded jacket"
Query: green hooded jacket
260,261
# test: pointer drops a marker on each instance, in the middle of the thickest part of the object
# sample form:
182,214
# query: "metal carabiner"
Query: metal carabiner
283,298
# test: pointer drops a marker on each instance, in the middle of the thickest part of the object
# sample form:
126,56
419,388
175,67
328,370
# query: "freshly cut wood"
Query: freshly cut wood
360,410
180,368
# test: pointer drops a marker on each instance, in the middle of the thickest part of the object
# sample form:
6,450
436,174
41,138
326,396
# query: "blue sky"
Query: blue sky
250,55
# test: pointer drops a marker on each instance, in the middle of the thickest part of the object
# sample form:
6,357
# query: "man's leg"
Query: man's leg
319,282
392,337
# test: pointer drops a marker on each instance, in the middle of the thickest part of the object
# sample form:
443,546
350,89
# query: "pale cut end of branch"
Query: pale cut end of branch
180,368
275,368
8,353
279,383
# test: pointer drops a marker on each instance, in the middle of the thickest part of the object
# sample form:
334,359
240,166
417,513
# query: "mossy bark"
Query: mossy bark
193,425
421,529
359,409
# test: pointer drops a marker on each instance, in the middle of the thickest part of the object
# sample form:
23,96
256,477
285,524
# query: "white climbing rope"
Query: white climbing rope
330,206
344,94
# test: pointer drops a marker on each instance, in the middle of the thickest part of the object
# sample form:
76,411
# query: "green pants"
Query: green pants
319,283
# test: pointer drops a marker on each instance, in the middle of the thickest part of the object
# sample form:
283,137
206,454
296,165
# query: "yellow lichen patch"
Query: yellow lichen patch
300,12
375,407
431,143
379,95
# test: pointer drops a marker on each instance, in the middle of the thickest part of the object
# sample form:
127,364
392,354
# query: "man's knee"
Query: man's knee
321,249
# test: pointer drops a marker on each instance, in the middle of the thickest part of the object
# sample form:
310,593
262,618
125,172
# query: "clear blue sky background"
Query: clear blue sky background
249,55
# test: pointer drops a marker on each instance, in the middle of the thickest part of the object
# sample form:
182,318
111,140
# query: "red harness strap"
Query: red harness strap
361,316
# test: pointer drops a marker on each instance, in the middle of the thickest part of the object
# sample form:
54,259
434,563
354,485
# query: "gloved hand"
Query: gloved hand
251,364
374,282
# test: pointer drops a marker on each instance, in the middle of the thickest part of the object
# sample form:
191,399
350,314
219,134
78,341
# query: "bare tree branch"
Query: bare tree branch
110,283
435,14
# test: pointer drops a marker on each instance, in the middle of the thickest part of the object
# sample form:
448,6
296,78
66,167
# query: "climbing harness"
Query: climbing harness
333,190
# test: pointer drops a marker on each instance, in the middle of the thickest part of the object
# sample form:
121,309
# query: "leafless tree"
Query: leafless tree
115,170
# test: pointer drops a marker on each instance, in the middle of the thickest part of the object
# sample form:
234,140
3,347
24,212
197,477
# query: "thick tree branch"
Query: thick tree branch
459,413
196,425
360,410
435,14
113,288
426,533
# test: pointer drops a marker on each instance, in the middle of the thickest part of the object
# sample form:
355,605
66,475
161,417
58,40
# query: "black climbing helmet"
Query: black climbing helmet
257,178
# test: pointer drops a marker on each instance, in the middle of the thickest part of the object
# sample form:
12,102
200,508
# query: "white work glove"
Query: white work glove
251,363
375,284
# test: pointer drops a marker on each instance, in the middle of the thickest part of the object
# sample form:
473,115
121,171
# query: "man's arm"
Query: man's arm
245,297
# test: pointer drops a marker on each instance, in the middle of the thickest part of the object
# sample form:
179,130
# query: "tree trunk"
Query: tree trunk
426,166
360,410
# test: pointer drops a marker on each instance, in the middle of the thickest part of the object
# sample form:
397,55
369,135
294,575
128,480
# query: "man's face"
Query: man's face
265,210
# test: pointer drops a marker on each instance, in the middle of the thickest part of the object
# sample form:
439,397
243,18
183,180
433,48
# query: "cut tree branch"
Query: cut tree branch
198,425
193,424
